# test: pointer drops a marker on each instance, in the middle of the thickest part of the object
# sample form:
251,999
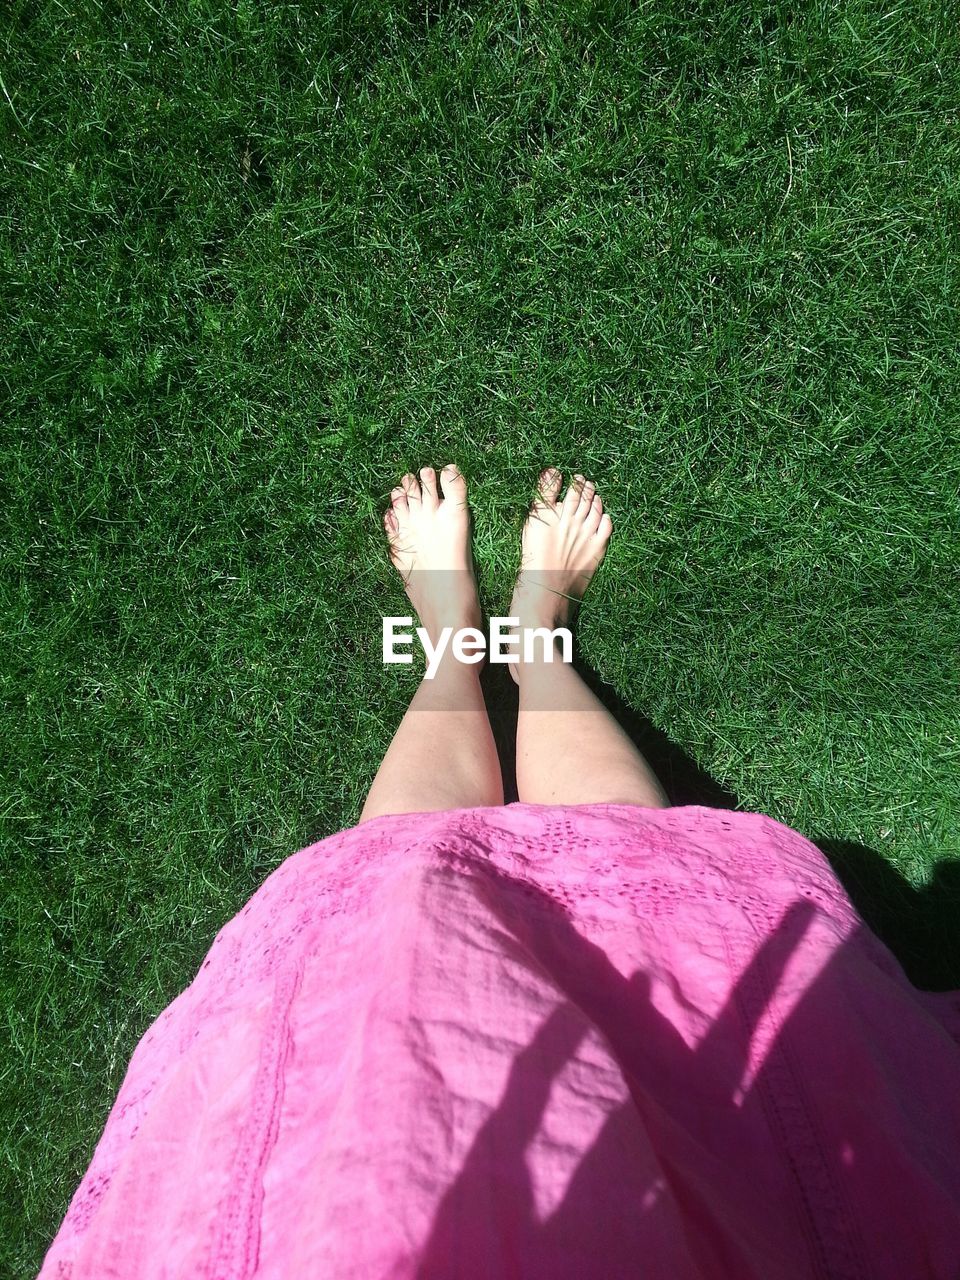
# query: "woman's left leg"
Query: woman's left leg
443,755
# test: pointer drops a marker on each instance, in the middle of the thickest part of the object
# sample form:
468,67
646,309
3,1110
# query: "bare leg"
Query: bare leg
443,754
570,750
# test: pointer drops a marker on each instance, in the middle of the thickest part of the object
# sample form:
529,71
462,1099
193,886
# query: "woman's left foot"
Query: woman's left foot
428,531
562,545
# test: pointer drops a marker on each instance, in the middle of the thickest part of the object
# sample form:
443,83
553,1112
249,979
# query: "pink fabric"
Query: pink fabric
539,1042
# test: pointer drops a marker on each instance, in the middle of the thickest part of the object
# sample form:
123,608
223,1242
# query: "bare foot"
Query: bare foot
428,531
561,546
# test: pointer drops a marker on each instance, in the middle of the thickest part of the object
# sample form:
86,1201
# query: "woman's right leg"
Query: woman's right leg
443,755
570,749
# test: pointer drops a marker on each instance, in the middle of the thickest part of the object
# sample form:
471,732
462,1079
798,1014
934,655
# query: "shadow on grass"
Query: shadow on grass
920,926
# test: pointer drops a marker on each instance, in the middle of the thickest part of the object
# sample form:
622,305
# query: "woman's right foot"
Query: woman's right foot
562,545
428,534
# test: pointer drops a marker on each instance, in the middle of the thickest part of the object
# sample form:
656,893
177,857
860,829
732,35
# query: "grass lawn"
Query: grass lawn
260,258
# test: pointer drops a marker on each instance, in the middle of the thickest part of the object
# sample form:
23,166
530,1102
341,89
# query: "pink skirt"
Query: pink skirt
536,1041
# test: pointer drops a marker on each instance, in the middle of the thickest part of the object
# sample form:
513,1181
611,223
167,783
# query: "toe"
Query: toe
592,516
549,487
571,499
398,499
428,482
605,528
452,483
587,492
391,523
411,487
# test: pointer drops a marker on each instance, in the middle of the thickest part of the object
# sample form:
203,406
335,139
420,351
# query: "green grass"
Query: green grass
260,259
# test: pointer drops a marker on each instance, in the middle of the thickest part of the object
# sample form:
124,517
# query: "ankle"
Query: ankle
543,645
